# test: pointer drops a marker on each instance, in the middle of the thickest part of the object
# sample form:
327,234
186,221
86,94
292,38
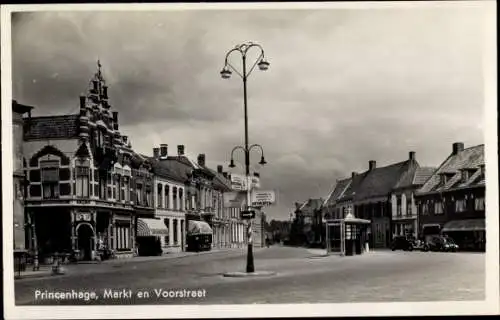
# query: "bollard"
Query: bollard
367,247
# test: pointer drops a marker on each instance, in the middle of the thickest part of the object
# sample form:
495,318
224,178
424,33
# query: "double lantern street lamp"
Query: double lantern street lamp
226,73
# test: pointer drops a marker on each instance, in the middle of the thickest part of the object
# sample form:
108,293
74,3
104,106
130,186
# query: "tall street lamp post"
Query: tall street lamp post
226,72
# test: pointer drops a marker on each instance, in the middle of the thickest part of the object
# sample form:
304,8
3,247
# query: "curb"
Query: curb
118,262
255,274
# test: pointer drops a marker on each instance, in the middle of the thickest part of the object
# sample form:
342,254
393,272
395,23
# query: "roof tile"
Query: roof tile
469,158
51,127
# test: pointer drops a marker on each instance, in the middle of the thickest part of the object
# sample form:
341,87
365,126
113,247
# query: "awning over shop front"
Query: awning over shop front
151,227
199,227
464,225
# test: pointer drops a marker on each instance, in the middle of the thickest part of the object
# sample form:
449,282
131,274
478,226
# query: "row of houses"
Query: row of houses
80,185
405,198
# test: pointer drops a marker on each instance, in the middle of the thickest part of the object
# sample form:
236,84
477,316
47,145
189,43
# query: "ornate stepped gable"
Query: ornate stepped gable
99,125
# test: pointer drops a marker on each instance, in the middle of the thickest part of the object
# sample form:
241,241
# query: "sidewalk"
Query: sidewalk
45,271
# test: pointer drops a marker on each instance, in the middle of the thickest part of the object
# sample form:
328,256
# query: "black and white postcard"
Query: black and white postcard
249,159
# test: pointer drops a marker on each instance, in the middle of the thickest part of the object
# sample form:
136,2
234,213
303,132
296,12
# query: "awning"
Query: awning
464,225
199,227
351,219
151,227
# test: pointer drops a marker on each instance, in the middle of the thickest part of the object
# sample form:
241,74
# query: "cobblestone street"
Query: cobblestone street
303,276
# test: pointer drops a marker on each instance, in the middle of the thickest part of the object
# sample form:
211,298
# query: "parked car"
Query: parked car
443,244
402,243
420,245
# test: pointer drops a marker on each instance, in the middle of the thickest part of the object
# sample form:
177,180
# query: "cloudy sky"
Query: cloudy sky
344,86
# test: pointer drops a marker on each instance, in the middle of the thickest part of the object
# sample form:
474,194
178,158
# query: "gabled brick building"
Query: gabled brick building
311,222
81,191
452,200
372,195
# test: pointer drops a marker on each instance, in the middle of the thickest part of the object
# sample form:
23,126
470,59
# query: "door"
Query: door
85,241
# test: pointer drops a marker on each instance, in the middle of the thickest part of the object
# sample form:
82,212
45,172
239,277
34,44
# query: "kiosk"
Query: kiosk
346,236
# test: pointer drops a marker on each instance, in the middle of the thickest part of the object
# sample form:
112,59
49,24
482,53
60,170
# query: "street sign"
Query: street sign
239,182
263,198
247,214
234,199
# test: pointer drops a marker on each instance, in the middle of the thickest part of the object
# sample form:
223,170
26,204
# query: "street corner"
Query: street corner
255,274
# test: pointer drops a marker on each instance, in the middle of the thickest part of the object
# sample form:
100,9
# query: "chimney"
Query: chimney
225,175
256,174
115,116
156,153
220,168
458,147
180,149
201,159
83,103
372,164
95,85
105,92
412,155
125,139
353,174
163,150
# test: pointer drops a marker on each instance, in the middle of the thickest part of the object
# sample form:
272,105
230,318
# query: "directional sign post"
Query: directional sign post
247,214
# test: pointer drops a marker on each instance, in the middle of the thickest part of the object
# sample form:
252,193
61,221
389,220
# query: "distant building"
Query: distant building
404,208
372,195
452,200
310,220
171,201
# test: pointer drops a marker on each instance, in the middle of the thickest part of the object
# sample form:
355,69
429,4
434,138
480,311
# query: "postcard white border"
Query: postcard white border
489,306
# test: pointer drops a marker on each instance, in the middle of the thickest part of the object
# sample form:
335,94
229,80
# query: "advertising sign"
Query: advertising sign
263,198
239,182
234,199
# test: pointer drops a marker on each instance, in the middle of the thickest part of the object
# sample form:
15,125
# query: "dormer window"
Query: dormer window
445,177
465,175
483,170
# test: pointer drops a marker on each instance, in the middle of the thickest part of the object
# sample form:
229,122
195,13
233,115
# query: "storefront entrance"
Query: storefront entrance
85,240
